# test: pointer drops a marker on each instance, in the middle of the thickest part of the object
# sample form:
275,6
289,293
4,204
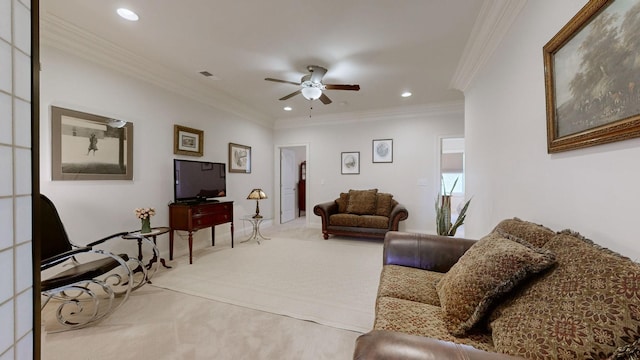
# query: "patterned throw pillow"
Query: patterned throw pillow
362,202
536,235
383,204
586,308
489,269
342,202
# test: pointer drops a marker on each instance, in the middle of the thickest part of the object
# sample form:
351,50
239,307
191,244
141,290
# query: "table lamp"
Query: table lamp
257,195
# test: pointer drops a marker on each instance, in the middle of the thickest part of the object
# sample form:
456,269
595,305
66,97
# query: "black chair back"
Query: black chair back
54,238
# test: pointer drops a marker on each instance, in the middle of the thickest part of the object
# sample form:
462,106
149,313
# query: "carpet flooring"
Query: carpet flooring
166,324
332,282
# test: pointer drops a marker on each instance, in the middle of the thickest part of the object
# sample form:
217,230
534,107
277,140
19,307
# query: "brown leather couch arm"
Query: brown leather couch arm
324,210
423,251
381,344
398,213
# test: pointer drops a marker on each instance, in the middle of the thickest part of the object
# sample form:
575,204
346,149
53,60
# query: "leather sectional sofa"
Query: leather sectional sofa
361,213
523,291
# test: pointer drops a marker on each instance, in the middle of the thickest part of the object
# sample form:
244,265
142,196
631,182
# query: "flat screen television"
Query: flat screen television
196,181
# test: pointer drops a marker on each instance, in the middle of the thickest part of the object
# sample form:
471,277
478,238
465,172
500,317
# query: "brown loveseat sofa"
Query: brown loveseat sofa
523,291
364,213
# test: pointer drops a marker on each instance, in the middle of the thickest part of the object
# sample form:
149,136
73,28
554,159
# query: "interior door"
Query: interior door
287,185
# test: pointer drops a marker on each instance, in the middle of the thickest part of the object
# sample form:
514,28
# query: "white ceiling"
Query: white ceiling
385,46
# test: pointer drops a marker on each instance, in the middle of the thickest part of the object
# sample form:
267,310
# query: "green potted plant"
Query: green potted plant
443,213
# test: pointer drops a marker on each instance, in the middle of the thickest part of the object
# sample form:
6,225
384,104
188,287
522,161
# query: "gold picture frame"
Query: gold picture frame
188,141
90,147
591,83
239,158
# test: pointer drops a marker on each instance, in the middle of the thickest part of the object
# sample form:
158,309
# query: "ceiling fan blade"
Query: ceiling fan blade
341,87
325,99
317,73
282,81
290,95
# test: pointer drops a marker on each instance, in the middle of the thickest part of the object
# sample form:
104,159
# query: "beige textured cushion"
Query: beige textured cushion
420,319
409,283
373,221
586,308
534,234
342,202
383,204
344,220
489,269
362,202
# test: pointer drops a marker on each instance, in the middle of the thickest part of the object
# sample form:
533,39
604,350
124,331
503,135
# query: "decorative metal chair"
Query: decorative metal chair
86,291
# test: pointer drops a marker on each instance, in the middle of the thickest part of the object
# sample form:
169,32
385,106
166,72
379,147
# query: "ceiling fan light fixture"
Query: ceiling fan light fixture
311,93
127,14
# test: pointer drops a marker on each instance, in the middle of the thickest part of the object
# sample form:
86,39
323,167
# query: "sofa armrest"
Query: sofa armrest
382,344
398,213
324,210
423,251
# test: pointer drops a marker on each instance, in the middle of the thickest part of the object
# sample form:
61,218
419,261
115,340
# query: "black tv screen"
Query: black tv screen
198,180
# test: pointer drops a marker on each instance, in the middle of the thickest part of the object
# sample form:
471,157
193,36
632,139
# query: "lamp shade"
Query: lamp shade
311,93
257,194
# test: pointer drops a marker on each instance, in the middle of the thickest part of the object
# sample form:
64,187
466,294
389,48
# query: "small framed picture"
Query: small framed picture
239,158
187,141
350,162
382,151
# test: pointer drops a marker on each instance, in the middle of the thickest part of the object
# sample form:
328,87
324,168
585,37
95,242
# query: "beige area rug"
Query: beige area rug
332,282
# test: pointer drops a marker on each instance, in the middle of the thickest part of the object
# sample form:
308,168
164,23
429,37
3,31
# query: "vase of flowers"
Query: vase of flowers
145,214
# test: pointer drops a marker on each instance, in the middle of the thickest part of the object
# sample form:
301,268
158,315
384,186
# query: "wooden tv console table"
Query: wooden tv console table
193,217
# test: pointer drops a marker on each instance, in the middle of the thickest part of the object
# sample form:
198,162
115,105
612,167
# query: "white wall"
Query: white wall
593,191
92,209
415,157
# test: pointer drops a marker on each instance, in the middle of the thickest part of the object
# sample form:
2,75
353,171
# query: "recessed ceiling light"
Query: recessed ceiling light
288,108
128,14
406,94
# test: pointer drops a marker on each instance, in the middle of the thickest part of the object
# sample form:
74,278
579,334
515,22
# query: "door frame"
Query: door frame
276,180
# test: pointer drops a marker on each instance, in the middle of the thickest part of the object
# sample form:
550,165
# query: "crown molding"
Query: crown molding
62,35
455,108
493,22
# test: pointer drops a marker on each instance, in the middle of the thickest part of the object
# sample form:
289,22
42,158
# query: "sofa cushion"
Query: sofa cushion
344,220
362,202
383,204
588,306
423,320
536,235
374,221
409,283
342,202
489,269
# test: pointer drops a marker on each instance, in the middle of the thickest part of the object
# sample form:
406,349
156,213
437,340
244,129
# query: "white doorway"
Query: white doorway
452,172
287,185
288,179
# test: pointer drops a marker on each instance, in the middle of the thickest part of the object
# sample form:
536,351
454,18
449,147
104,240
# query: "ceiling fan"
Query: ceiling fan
311,85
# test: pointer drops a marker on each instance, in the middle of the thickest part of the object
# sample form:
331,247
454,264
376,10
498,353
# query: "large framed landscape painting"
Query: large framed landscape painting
592,77
90,147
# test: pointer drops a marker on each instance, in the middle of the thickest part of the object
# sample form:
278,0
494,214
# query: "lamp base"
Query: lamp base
257,216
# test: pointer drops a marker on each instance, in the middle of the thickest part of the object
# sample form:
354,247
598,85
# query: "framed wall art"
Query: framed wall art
90,147
188,141
592,77
383,151
239,158
350,162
